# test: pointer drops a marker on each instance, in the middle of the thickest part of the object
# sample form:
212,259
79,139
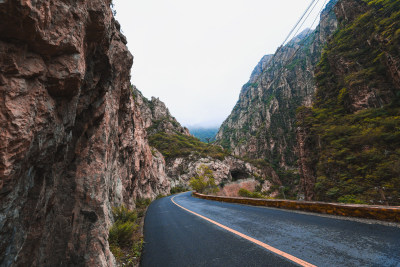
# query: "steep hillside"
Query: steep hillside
167,135
72,141
263,122
156,115
349,141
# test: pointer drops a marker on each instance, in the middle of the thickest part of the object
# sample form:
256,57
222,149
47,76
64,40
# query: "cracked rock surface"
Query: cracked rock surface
72,140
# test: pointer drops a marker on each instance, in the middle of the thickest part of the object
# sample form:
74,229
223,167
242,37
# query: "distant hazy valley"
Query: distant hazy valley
204,134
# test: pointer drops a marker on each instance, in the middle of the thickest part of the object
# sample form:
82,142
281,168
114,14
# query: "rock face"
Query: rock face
262,125
156,115
181,170
72,140
349,141
306,144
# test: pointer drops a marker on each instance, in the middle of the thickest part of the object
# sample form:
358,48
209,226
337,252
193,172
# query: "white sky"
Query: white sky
196,55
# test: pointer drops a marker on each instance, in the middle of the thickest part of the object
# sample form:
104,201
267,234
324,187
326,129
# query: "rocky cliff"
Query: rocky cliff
262,124
72,140
184,154
225,170
156,115
349,141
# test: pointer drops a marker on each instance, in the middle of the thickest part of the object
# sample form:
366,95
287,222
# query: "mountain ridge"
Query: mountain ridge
325,119
245,131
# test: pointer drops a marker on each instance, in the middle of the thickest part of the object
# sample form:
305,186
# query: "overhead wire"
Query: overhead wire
300,46
307,12
301,18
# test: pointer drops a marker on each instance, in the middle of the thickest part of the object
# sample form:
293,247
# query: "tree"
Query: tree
203,181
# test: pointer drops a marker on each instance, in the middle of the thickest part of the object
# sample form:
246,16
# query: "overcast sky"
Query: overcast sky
196,55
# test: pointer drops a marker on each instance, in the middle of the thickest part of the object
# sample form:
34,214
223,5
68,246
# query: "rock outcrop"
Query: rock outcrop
156,115
72,140
226,170
262,125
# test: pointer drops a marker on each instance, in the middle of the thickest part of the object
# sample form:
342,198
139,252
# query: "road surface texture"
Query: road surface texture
176,237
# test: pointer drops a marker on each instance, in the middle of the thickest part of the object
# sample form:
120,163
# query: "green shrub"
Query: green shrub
203,181
350,199
137,248
246,193
121,233
178,189
124,236
160,196
122,230
142,203
122,214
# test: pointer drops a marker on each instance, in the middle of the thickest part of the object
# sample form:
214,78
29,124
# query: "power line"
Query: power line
307,12
290,33
308,15
300,46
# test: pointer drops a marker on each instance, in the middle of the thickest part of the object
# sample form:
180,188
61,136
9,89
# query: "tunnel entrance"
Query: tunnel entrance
239,174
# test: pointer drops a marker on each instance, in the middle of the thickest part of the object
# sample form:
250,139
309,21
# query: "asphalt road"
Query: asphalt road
176,237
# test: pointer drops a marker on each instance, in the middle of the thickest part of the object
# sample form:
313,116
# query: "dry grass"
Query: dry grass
232,189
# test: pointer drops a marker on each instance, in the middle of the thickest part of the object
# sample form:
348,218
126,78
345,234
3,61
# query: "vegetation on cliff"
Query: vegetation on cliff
355,121
247,193
180,145
262,125
204,181
125,235
167,135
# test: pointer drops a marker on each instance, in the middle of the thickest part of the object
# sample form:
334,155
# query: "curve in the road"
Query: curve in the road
176,237
255,241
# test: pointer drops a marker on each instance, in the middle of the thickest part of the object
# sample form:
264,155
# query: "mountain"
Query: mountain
204,134
72,141
349,140
262,125
156,115
184,153
327,117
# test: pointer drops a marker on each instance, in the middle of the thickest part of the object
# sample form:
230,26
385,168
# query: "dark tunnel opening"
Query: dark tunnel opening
239,174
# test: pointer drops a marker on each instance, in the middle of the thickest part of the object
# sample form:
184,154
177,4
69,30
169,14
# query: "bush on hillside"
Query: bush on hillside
178,189
203,181
124,237
122,230
246,193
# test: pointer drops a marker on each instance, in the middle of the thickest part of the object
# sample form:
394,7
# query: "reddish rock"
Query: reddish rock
307,147
156,115
72,141
232,189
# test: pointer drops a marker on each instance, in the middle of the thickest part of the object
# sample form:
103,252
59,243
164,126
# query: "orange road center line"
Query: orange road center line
266,246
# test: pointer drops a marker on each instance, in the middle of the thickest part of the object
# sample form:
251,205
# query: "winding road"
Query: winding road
182,230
